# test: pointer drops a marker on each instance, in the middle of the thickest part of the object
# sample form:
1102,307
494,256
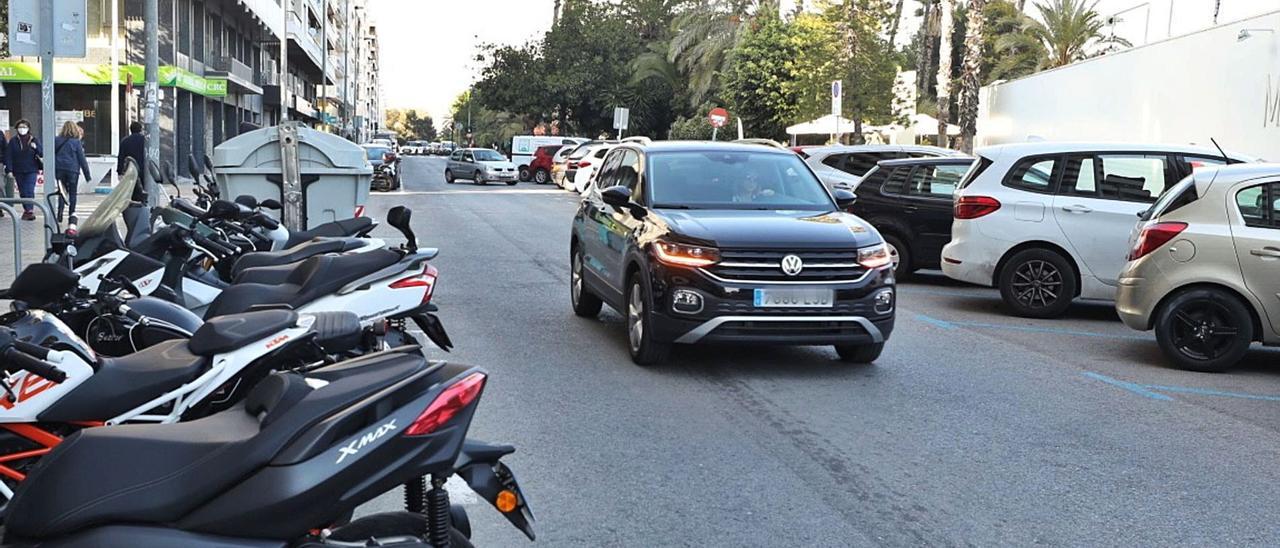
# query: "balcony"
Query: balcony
239,75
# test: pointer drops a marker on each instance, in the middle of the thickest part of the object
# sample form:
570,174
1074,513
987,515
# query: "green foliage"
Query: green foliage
410,126
1007,51
1069,28
760,83
696,128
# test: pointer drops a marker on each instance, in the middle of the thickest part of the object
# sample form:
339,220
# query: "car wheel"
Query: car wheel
478,178
1204,329
448,176
859,353
900,255
525,174
585,303
644,350
1037,283
512,183
541,176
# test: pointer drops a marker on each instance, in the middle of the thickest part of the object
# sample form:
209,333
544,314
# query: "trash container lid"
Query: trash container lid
262,148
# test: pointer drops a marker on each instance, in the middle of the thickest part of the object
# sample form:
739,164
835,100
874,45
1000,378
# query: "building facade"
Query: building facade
219,68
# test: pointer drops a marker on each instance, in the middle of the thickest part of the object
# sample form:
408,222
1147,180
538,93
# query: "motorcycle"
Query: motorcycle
285,467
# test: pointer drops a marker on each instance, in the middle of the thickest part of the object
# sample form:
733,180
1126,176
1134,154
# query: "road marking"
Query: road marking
952,324
1208,392
1131,387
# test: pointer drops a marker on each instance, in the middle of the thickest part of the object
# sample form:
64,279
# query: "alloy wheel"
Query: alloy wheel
1037,283
893,255
1203,329
635,318
575,278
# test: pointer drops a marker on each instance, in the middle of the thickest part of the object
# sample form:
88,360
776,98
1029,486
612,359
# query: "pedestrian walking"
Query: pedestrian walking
70,162
25,161
134,147
6,185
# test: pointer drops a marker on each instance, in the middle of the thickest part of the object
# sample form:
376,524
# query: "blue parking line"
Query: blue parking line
952,324
1131,387
1207,392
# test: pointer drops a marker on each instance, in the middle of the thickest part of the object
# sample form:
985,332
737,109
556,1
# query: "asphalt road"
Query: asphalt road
973,428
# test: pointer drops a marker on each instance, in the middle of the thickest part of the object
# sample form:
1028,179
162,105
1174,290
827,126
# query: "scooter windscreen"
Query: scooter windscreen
104,216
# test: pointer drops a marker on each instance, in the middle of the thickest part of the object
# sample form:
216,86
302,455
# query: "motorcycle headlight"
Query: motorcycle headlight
686,255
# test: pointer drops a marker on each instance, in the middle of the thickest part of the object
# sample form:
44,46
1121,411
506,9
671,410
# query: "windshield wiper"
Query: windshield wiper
673,206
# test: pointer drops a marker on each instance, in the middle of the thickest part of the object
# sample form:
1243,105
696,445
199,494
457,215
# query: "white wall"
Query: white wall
1182,90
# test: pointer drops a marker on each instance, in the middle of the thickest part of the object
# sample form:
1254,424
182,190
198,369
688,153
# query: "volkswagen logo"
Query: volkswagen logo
792,265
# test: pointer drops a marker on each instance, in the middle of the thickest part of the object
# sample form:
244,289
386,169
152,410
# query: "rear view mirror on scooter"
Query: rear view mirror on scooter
194,167
247,201
270,203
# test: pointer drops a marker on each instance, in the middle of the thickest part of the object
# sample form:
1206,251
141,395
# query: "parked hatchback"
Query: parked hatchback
1204,267
480,165
540,166
842,167
909,202
1049,222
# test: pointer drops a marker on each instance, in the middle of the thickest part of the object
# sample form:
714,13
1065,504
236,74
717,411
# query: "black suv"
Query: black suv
719,242
909,202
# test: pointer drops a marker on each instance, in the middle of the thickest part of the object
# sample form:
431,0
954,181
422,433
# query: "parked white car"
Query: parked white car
1050,222
587,166
842,167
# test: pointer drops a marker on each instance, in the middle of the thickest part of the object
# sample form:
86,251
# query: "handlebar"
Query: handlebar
18,359
131,314
266,221
214,246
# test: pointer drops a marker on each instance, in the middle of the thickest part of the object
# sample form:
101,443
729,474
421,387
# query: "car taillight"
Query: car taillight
584,163
427,279
972,207
441,410
1153,236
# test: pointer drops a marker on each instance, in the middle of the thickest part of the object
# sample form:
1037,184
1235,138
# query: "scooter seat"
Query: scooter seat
227,333
124,383
294,254
356,226
160,474
311,279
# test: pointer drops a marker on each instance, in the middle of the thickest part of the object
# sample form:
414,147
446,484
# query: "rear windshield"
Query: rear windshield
580,153
1178,195
375,153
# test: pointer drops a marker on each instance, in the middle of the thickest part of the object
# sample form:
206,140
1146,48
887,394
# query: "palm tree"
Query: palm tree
703,37
893,27
924,58
970,77
944,69
1069,27
1012,52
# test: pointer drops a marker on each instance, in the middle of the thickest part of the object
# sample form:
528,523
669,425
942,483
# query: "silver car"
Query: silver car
480,165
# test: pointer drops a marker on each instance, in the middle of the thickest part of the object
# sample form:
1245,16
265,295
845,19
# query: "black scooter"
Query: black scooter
286,467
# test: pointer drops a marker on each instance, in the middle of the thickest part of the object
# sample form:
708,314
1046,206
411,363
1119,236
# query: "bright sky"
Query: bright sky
428,45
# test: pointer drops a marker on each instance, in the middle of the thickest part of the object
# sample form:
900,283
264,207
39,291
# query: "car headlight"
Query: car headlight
686,255
875,256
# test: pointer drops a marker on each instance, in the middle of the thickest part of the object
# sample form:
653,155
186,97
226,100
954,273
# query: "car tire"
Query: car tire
478,178
512,183
639,315
541,176
859,353
448,176
901,255
585,303
1204,329
1037,283
525,174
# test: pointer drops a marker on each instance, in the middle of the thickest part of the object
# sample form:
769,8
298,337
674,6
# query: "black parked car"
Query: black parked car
719,242
909,202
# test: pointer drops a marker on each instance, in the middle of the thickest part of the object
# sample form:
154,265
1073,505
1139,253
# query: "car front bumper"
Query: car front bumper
729,314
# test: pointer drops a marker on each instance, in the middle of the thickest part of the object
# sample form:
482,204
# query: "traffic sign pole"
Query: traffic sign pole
47,41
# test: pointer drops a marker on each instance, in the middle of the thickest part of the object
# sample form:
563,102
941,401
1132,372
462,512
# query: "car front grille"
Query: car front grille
738,308
766,265
765,328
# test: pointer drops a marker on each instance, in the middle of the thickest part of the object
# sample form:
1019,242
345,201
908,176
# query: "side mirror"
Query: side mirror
154,171
399,217
247,201
844,198
208,165
616,196
222,209
270,203
1144,214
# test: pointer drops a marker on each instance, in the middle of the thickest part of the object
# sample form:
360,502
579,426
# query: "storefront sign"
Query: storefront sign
72,73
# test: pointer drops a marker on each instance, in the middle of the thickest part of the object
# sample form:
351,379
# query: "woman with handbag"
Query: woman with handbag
70,162
25,162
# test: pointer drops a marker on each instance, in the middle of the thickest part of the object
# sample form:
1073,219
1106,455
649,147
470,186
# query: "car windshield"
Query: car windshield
580,152
375,153
486,155
735,180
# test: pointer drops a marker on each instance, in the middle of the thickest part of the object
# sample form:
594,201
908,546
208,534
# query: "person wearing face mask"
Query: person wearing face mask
24,163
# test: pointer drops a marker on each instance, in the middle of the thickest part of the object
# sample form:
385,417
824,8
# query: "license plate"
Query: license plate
794,298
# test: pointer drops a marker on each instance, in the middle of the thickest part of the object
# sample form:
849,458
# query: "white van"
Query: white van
523,147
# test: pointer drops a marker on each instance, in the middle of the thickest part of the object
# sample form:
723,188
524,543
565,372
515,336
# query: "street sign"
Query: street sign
837,95
621,117
718,117
68,27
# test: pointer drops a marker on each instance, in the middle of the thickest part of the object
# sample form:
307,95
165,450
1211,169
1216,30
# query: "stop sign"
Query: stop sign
718,117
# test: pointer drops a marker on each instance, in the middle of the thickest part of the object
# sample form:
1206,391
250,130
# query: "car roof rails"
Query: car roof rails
637,139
